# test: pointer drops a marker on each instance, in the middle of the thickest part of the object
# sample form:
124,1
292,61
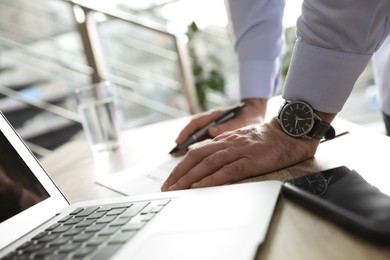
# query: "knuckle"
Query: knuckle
208,161
192,153
235,170
229,170
232,137
215,158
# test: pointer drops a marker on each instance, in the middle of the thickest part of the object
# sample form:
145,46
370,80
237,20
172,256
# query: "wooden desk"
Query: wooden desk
295,233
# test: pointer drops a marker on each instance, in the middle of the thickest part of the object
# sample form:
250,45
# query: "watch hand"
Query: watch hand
296,122
308,179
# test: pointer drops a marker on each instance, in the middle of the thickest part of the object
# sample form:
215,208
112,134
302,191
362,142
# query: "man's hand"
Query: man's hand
242,153
253,113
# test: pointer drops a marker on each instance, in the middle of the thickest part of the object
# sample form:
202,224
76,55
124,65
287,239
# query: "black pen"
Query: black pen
203,131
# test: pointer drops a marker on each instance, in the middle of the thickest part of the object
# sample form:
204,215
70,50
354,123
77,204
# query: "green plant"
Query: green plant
290,38
205,67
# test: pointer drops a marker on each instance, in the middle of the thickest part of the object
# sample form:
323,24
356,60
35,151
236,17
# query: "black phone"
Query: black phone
345,197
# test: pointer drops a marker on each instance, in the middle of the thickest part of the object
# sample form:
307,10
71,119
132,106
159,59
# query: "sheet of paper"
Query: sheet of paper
141,179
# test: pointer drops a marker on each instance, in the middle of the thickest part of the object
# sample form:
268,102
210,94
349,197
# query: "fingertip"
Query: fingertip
173,187
178,153
195,185
164,187
213,131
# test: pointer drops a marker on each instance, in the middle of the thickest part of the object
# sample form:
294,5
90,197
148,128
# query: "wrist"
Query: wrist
312,142
326,117
257,104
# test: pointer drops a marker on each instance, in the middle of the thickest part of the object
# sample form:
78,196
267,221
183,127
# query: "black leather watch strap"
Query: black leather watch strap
321,129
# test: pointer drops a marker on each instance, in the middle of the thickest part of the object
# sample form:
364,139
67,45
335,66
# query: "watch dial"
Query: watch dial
296,118
314,183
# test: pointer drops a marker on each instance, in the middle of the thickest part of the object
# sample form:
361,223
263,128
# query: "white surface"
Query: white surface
145,178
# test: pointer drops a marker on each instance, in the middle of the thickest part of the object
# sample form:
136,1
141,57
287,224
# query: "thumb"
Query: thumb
214,131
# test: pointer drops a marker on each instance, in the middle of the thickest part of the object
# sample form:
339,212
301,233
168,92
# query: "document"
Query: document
140,179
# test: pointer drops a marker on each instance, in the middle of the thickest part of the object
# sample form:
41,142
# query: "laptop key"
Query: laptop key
106,252
82,237
133,226
47,238
115,212
83,252
95,241
33,247
68,247
115,206
85,223
76,211
40,235
119,222
22,257
73,221
23,246
96,215
105,219
60,256
55,225
44,252
61,229
122,237
11,255
73,232
152,207
60,241
147,217
95,228
86,212
108,231
64,219
134,209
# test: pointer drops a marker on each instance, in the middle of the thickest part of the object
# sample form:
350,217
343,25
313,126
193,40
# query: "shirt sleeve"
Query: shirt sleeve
335,41
257,25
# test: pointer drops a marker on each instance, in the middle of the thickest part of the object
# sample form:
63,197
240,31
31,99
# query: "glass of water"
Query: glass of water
95,104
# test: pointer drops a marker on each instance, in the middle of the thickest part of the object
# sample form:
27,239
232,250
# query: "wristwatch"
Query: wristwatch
297,119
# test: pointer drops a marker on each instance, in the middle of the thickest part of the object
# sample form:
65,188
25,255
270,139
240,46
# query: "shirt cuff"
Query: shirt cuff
258,78
322,77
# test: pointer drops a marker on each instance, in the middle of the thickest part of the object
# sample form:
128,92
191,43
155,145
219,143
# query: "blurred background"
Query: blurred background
166,58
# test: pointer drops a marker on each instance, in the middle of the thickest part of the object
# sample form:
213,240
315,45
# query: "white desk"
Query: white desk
295,233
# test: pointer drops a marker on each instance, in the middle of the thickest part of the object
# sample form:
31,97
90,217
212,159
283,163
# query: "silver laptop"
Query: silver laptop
36,220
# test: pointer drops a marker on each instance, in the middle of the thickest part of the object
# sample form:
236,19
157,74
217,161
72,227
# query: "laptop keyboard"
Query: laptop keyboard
91,232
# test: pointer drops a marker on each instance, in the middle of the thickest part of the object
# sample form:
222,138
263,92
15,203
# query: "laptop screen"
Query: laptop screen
19,188
28,196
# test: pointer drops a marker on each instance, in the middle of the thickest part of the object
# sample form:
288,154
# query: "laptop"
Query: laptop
36,220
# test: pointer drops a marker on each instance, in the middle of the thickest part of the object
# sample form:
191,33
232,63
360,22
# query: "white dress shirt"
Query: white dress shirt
336,39
257,25
381,69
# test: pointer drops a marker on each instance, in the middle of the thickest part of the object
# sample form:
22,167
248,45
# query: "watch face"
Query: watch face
296,118
314,183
